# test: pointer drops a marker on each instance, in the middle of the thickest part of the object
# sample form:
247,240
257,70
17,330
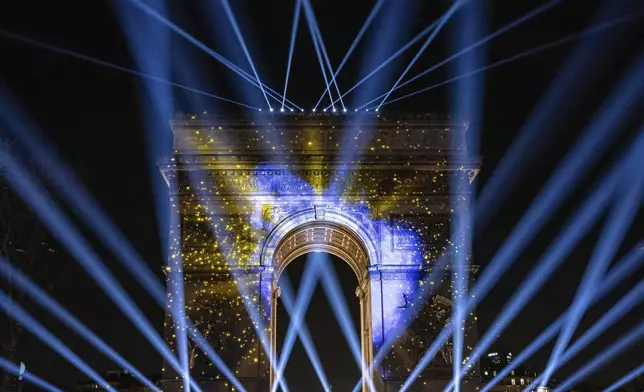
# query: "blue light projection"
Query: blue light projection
625,342
28,376
471,47
288,299
630,376
388,40
56,49
441,22
354,44
571,234
596,28
296,21
623,306
233,221
19,280
613,233
566,90
265,195
178,30
16,312
305,292
80,200
64,231
615,276
310,16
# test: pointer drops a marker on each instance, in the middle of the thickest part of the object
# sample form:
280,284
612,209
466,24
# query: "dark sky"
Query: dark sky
94,115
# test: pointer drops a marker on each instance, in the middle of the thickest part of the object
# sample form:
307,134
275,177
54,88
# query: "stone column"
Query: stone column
363,292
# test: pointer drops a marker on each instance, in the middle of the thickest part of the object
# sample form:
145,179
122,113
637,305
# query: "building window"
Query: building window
486,372
522,382
513,381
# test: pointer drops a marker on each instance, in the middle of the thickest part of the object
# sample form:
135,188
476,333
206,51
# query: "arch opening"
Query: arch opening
342,242
336,367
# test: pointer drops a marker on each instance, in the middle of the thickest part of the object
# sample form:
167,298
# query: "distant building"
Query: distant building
120,380
516,381
494,362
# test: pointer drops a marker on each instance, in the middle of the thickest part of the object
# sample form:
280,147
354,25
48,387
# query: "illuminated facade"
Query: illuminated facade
252,196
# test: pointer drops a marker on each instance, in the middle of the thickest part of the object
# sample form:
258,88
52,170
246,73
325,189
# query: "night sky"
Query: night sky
94,116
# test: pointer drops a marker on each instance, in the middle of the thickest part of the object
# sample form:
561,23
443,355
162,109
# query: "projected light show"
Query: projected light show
367,196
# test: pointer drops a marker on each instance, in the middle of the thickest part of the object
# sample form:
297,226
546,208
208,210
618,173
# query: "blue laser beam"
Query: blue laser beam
442,21
466,100
629,301
310,14
72,235
289,304
530,15
567,89
305,292
559,185
435,275
614,231
616,275
569,38
316,44
64,231
391,58
354,44
56,49
252,311
22,282
296,22
567,174
608,244
153,13
240,38
65,181
605,356
79,199
342,314
572,233
460,277
16,312
630,376
204,346
12,368
176,293
462,238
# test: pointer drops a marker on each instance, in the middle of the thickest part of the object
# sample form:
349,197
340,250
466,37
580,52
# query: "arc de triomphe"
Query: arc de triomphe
252,196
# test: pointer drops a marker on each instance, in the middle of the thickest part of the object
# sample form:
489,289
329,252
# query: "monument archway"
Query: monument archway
252,195
320,229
